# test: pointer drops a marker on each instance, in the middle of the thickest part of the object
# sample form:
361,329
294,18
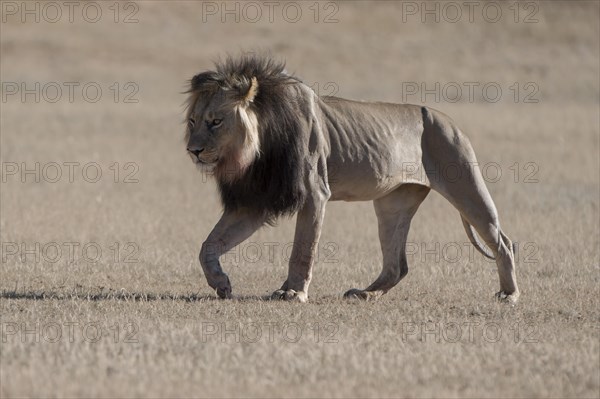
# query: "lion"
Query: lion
276,148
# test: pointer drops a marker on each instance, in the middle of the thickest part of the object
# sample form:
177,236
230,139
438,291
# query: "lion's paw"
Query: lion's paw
223,287
224,292
355,293
290,295
510,299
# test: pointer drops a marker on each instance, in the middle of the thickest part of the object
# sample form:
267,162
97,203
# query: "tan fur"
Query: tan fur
252,92
239,153
241,145
391,154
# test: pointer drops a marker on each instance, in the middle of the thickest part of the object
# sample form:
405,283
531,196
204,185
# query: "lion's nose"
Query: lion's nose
196,152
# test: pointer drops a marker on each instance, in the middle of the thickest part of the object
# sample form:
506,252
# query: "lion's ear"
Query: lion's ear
252,91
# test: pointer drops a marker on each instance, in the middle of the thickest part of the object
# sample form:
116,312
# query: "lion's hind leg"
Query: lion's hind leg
394,214
501,246
476,206
446,148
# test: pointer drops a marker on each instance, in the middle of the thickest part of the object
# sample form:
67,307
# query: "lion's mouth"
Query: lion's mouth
208,163
203,162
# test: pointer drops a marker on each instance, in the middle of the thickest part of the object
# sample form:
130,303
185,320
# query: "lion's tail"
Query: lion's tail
475,241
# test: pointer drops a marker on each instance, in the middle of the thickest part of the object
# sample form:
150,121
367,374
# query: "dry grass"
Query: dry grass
175,339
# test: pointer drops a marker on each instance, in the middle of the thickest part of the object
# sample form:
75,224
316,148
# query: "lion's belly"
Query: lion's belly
364,181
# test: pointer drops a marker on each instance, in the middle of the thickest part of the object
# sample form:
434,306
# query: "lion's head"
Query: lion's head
222,127
246,125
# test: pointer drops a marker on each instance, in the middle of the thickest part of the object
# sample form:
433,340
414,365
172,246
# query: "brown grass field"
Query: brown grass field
101,291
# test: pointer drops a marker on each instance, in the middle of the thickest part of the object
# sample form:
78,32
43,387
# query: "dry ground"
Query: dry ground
141,321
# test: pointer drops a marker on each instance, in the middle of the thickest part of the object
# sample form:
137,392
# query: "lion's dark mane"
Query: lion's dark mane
273,185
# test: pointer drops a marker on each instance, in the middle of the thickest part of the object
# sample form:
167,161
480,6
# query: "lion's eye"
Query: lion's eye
213,123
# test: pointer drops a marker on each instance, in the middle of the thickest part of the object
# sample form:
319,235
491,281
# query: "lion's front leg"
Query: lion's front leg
230,230
306,239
